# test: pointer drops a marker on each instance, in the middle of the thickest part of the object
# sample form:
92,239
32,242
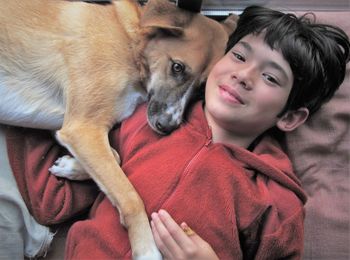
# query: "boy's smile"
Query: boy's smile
246,90
230,95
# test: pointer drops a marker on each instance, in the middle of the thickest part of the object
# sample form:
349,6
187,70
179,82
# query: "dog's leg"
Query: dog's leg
89,144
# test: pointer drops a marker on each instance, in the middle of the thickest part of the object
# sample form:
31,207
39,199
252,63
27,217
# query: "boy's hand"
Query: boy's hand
178,242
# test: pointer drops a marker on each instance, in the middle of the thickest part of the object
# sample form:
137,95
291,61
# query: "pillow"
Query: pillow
319,150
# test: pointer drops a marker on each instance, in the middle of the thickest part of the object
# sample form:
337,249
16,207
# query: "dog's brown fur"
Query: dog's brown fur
84,67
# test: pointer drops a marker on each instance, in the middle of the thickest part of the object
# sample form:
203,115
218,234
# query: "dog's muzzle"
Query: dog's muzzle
162,118
163,126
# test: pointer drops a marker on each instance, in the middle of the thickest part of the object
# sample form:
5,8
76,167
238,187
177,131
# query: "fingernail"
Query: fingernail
154,215
163,212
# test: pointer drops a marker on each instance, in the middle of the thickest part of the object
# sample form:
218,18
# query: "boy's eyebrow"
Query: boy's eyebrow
246,45
269,63
278,67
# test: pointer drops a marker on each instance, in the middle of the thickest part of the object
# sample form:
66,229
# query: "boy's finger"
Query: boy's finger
188,231
175,230
165,236
163,249
196,239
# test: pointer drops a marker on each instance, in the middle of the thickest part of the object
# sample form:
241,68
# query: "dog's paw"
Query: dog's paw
154,255
69,168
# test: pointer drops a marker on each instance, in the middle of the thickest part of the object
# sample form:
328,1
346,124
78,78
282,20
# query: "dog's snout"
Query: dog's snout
162,117
160,126
163,126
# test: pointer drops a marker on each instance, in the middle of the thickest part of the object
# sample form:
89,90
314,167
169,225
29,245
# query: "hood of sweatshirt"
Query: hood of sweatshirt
267,157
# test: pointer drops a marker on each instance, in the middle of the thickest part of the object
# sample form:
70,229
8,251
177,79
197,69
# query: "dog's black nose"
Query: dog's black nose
160,127
164,127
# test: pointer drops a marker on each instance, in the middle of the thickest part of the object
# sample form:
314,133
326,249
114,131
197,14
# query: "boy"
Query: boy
221,171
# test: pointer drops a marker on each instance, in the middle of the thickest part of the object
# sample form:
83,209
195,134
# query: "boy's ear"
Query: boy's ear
292,119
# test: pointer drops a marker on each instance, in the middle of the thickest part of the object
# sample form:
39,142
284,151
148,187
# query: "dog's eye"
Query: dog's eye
177,68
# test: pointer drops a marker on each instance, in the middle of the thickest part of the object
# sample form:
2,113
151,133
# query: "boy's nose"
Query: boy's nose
244,77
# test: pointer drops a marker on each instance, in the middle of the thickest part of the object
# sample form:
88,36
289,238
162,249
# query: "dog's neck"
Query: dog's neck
142,64
138,39
138,46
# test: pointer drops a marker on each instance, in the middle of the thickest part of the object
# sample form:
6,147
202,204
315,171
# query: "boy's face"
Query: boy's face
248,87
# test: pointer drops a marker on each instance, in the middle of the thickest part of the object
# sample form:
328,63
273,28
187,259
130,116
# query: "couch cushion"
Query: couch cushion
320,152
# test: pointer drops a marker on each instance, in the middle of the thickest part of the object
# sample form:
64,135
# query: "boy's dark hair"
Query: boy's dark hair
316,53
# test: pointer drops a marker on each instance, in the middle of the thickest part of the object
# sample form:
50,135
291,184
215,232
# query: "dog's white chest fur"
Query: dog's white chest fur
30,102
27,102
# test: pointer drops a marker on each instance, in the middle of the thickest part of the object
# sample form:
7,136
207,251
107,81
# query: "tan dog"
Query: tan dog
82,67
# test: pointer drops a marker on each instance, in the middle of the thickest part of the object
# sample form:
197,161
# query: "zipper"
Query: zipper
194,159
209,136
206,145
208,142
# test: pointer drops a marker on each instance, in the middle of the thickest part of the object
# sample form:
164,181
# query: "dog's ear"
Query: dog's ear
165,17
230,23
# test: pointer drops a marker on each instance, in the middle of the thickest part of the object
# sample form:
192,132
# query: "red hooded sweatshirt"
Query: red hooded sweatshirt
246,205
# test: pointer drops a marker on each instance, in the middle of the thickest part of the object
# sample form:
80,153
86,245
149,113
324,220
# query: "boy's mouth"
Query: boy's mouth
230,94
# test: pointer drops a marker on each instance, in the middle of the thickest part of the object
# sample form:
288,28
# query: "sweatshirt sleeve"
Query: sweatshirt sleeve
50,199
278,233
286,242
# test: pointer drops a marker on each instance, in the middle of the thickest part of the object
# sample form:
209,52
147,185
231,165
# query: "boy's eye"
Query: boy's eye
238,56
271,79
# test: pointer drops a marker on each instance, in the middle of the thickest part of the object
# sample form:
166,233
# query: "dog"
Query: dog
79,68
